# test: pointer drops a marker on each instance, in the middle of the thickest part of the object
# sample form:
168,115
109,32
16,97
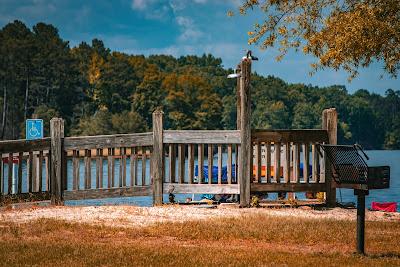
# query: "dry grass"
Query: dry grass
254,240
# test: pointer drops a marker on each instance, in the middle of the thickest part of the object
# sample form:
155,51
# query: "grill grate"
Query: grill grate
348,165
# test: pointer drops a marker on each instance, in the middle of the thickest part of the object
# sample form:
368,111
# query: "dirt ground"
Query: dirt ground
132,216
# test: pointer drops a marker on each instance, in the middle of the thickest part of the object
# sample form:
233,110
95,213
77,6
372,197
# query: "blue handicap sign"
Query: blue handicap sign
34,129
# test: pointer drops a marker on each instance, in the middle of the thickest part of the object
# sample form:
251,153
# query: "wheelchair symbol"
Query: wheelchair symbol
33,131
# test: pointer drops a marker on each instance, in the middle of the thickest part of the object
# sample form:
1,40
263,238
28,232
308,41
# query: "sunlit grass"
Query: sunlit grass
252,240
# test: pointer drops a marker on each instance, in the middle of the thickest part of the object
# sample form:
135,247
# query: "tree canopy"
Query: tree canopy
98,91
341,34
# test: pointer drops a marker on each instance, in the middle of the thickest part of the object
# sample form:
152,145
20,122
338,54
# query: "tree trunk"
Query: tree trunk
3,121
26,96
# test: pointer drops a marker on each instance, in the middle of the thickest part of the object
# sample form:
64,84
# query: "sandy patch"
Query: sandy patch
131,216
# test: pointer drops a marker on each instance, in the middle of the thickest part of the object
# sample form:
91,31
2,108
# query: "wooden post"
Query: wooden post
56,173
238,109
246,151
157,157
329,123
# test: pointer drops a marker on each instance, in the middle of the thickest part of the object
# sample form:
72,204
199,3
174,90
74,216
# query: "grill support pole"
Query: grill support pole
360,219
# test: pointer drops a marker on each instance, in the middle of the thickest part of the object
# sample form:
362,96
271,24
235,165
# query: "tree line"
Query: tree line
98,91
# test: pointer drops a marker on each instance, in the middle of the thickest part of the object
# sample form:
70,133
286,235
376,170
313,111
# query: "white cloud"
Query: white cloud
188,28
139,4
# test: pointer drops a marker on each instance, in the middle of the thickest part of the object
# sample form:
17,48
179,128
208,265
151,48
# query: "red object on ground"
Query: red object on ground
387,206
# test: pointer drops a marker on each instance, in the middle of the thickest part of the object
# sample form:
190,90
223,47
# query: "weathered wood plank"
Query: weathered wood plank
75,170
229,164
100,156
88,169
34,173
200,162
30,179
219,164
144,160
296,162
56,180
201,188
110,169
329,123
10,172
157,157
15,146
108,193
48,171
286,163
133,163
210,162
268,161
108,141
202,136
257,161
171,162
315,163
306,162
284,136
181,163
40,166
246,152
20,159
190,163
289,187
277,162
113,167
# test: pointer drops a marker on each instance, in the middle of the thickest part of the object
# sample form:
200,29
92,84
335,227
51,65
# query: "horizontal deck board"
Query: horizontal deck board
108,141
201,188
15,146
287,187
108,193
287,136
201,137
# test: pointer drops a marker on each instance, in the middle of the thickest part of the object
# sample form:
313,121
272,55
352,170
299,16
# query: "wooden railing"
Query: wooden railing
282,161
112,166
24,170
245,162
191,157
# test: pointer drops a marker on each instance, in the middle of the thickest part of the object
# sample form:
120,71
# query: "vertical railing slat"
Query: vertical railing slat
40,166
30,172
210,162
286,164
20,160
100,155
133,166
172,162
10,172
306,162
120,176
144,159
296,162
181,163
315,162
75,170
200,162
277,162
268,161
229,164
219,164
88,171
191,163
97,168
257,161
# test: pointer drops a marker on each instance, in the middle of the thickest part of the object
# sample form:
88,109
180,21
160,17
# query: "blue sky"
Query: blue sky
179,27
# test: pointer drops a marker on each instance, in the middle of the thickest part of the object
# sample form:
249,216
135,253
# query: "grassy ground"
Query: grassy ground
256,240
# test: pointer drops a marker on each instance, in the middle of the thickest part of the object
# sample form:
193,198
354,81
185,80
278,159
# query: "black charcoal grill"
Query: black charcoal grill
350,170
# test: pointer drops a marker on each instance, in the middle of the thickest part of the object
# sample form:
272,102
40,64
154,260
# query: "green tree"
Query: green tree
341,34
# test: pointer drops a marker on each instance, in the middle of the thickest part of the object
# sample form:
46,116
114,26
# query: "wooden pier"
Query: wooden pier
165,161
